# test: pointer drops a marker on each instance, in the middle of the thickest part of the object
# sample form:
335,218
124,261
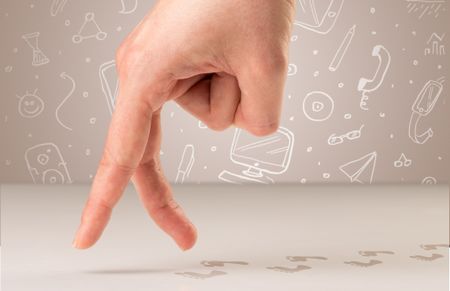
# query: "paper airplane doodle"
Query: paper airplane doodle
362,169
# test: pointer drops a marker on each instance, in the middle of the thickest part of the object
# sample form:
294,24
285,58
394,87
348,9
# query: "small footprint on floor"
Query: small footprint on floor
299,268
364,265
431,258
201,276
221,263
304,259
375,253
433,247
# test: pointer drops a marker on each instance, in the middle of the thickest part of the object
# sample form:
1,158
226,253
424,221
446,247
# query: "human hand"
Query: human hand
225,62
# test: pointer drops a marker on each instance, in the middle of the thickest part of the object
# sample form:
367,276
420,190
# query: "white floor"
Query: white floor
250,238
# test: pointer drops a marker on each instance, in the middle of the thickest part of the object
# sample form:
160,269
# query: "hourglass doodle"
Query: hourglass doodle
39,58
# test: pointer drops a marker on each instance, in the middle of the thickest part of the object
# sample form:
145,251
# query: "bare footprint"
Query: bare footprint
299,268
375,253
304,259
221,263
433,247
364,265
201,276
433,257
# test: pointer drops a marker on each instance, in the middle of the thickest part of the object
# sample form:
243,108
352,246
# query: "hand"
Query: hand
225,62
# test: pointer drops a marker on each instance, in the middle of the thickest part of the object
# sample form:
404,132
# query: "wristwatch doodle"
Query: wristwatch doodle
424,104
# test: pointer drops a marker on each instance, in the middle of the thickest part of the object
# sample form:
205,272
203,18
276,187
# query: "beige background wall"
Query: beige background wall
59,137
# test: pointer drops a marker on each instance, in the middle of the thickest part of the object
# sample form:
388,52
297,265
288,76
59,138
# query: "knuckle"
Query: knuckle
128,55
168,203
119,163
271,61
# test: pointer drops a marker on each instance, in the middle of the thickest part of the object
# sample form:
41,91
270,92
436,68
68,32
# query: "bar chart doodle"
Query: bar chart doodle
435,45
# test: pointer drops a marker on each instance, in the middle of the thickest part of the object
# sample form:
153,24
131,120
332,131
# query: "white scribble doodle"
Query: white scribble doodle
431,258
222,263
375,253
186,163
89,20
335,139
201,125
311,20
128,9
46,164
201,276
429,181
30,105
109,83
292,70
366,86
425,7
57,7
433,247
435,45
371,263
362,169
342,50
65,77
403,161
270,154
296,269
318,106
305,258
39,58
423,106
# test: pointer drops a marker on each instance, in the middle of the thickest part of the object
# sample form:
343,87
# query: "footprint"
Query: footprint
433,247
362,264
433,257
299,268
221,263
375,253
201,276
304,259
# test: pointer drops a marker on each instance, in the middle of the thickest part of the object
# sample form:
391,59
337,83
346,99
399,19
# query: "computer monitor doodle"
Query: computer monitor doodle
318,16
259,155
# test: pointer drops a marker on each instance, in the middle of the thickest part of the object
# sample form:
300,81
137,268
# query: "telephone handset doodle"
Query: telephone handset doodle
366,85
311,19
424,104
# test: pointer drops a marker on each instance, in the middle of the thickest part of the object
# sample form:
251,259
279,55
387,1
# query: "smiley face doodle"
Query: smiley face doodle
30,105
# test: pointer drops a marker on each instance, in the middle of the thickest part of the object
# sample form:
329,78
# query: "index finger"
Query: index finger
125,145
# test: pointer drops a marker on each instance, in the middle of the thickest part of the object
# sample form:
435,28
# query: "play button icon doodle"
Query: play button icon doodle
318,106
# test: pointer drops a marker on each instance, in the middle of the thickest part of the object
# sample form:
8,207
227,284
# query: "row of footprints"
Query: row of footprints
296,259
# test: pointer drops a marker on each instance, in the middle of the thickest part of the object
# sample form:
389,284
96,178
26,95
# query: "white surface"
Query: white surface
257,225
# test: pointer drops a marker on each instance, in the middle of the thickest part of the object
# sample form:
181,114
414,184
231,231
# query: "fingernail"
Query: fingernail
75,243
